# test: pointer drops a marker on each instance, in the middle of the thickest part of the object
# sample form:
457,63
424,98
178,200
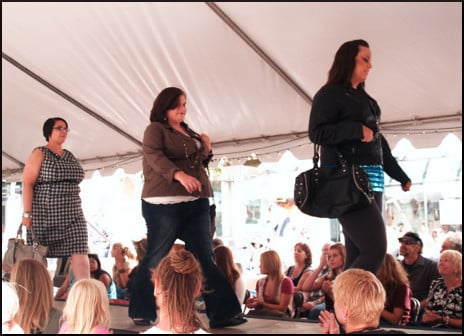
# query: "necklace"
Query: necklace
187,157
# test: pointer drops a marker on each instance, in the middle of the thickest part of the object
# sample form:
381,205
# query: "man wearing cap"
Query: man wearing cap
421,271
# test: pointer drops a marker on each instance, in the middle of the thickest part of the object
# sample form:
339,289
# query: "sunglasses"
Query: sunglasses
407,241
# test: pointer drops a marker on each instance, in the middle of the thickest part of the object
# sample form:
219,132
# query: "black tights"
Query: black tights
365,236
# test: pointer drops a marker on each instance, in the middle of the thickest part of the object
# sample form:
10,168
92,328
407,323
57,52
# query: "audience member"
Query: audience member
10,307
178,282
398,293
359,301
453,241
140,251
87,309
63,265
444,300
315,302
445,229
96,272
274,293
121,268
225,262
63,291
217,242
37,314
336,262
421,271
302,268
300,271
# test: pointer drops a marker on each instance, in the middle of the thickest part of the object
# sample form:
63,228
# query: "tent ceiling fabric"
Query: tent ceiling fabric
99,65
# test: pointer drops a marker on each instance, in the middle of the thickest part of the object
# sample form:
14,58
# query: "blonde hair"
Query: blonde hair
35,293
10,302
86,307
125,251
456,259
180,276
270,259
361,293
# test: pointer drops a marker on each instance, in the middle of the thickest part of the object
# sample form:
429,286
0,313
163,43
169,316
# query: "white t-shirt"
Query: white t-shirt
156,330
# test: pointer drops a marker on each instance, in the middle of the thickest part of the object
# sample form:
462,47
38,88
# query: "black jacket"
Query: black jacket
336,120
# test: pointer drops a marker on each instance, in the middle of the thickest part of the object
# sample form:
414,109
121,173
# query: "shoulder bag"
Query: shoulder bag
330,192
18,249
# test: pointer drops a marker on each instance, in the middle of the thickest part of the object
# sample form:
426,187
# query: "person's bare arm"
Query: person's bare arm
30,173
62,292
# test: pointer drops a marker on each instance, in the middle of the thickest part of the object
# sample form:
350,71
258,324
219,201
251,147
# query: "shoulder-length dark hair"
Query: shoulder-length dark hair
167,99
344,63
309,256
47,128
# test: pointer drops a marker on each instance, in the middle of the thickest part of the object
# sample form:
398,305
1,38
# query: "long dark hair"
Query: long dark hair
96,274
344,63
167,99
225,262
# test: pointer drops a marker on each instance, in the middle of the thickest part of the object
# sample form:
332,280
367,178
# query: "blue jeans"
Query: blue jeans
190,222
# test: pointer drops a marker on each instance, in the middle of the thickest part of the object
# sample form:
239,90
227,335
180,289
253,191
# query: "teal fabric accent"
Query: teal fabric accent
112,294
376,176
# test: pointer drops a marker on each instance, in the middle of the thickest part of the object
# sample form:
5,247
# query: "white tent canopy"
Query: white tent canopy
250,71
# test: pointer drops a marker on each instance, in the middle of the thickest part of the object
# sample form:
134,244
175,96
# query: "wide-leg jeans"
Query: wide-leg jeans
190,222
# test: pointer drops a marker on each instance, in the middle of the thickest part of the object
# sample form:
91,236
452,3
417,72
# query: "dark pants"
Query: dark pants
190,222
365,236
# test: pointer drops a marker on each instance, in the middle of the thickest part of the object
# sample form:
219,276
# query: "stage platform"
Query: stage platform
122,324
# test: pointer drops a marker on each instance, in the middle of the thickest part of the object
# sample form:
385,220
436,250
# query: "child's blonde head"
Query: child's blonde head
86,307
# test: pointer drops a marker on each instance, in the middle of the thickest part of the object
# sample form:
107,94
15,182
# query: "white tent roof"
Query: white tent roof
250,71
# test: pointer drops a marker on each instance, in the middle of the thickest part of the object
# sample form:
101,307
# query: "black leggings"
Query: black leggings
365,236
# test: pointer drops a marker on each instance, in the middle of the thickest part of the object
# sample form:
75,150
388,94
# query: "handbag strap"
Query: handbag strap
340,157
19,234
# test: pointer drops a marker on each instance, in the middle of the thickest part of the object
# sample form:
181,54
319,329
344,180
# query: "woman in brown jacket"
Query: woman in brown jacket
175,205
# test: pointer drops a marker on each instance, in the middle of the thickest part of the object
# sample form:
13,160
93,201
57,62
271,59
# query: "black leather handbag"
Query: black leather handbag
331,192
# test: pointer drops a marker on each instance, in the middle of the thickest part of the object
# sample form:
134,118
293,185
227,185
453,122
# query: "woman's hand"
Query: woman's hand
407,186
368,135
328,323
327,286
308,305
323,260
253,302
190,183
430,317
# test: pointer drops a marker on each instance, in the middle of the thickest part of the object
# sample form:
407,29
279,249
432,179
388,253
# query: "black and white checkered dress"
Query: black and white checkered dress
57,216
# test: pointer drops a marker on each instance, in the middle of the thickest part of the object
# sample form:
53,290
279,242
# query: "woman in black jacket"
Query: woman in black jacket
346,118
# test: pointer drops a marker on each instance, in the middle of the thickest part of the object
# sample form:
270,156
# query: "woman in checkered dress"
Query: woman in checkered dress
51,201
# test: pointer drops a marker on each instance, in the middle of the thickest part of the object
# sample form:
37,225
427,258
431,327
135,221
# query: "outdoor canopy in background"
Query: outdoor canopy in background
250,71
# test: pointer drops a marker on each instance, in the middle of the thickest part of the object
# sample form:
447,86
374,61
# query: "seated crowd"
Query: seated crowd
342,301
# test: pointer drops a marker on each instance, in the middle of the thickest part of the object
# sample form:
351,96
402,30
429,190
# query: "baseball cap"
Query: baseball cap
411,235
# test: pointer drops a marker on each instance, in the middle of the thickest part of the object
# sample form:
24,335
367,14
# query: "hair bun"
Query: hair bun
183,262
